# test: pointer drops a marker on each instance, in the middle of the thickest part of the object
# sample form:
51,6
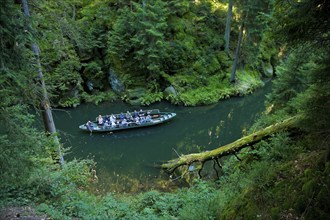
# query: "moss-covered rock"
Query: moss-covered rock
170,91
134,96
267,69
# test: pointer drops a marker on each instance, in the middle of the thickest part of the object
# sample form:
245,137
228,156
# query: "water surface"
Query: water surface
133,152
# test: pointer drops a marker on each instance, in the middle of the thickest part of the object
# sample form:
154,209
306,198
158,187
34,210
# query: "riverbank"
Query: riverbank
128,157
298,165
186,90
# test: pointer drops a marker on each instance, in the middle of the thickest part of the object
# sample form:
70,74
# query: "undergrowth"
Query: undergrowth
282,177
194,90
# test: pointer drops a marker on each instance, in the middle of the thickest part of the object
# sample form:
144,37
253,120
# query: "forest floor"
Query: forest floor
21,213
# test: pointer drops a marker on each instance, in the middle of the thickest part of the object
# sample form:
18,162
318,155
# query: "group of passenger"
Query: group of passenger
122,119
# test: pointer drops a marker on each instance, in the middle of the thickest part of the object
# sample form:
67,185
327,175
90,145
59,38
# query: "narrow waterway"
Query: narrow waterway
134,152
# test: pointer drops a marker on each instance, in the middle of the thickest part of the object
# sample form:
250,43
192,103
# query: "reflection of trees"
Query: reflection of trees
128,183
196,140
230,114
188,144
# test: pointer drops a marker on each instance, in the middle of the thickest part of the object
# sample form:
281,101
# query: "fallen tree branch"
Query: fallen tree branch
231,148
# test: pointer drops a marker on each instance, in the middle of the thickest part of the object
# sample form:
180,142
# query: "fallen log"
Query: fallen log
231,148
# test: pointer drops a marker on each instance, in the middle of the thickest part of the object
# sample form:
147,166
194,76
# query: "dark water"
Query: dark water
133,152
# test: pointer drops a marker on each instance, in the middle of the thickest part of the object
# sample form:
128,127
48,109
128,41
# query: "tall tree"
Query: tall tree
228,24
237,53
250,19
47,113
312,28
303,28
17,141
61,39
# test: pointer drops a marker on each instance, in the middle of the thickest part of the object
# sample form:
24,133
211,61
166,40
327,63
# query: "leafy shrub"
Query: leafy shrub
98,97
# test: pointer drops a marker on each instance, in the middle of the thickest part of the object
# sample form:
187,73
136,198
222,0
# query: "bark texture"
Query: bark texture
228,25
238,48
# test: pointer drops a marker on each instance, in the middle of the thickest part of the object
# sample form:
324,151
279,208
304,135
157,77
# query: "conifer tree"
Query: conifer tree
228,24
139,37
47,114
250,33
20,145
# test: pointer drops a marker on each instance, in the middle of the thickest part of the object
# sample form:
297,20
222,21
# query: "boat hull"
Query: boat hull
157,118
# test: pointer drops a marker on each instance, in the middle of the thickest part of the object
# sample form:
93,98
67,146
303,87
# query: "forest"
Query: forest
190,53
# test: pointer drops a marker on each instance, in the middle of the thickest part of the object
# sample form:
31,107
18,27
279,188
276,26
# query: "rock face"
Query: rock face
27,213
170,91
135,95
116,85
267,69
90,86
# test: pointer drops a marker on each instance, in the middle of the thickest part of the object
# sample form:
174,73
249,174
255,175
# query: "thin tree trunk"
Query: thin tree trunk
47,114
230,149
240,36
228,24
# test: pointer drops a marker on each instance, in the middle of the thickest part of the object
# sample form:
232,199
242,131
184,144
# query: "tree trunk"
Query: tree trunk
240,36
228,24
47,113
231,148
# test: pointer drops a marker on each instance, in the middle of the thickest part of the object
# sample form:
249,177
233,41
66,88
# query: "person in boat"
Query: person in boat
113,124
89,126
121,116
136,114
100,120
106,123
112,118
142,119
137,120
124,122
141,113
148,118
128,116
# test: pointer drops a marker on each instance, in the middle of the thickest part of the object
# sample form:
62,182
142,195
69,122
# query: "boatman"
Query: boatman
89,126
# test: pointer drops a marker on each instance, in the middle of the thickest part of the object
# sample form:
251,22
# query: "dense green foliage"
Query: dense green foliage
16,135
146,44
176,43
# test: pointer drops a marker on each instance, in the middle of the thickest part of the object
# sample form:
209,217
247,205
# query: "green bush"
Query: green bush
98,97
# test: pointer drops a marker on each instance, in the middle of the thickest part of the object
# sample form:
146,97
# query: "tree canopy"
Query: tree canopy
154,45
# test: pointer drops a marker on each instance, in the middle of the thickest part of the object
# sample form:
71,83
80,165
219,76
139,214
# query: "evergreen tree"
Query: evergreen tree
317,102
302,22
250,33
309,33
139,37
228,24
58,37
20,145
237,53
45,104
292,78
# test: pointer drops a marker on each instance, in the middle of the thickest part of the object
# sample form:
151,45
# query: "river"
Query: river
132,153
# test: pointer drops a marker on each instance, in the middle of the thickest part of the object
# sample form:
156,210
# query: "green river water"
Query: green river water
134,152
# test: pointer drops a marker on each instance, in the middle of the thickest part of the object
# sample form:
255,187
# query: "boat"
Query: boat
123,121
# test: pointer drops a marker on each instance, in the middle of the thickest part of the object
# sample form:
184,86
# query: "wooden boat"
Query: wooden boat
145,119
